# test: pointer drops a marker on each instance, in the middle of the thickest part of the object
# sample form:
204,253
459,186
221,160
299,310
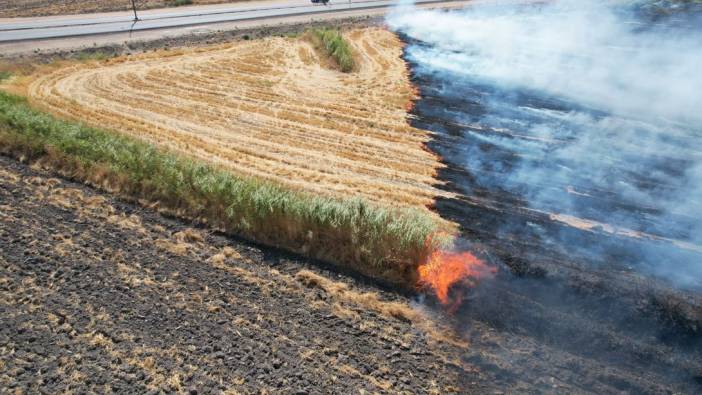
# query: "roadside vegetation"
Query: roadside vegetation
87,56
333,44
384,243
178,3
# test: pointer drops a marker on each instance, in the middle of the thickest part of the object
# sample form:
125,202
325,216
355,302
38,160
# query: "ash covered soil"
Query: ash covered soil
603,282
98,295
571,305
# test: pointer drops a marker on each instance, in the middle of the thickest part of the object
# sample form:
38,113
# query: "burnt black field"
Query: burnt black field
515,184
591,212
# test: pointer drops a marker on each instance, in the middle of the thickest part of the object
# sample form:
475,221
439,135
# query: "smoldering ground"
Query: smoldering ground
570,131
584,110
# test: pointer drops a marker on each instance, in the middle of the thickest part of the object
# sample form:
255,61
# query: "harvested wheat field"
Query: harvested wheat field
272,109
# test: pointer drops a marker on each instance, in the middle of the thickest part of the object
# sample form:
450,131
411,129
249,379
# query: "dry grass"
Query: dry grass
189,235
248,107
346,297
226,253
338,175
351,371
366,299
176,248
174,382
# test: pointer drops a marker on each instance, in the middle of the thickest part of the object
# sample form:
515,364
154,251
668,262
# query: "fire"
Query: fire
444,269
414,96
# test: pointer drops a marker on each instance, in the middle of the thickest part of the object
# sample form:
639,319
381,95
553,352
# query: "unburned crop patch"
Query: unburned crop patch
380,242
267,109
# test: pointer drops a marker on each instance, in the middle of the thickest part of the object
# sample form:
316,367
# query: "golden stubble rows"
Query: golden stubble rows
265,108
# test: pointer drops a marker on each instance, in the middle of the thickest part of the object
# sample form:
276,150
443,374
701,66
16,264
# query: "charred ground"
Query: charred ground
571,302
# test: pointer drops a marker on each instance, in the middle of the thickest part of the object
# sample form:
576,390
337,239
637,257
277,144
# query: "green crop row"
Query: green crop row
334,44
381,242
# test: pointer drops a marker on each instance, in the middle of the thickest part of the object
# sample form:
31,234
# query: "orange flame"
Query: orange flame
444,269
412,101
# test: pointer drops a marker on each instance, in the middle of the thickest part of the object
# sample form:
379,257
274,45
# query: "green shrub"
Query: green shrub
87,56
380,242
178,3
336,47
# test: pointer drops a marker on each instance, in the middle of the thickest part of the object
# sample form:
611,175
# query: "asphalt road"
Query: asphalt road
26,29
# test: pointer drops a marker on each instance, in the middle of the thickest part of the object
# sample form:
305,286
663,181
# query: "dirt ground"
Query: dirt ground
247,106
29,8
97,295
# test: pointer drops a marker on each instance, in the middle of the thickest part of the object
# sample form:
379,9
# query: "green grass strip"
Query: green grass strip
178,3
381,242
337,48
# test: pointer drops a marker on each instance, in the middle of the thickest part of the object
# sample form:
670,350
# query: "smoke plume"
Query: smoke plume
589,110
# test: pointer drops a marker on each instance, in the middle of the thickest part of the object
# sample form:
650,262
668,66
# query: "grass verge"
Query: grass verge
336,47
178,3
387,244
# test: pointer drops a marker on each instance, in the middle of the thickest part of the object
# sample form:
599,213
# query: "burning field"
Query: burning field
563,163
575,158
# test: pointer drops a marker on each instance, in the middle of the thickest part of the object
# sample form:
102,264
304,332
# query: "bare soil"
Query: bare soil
98,295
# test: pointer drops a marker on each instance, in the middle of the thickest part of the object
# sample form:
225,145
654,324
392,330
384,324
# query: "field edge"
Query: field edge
387,244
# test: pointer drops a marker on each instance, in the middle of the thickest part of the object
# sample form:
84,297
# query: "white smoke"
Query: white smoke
582,50
633,125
